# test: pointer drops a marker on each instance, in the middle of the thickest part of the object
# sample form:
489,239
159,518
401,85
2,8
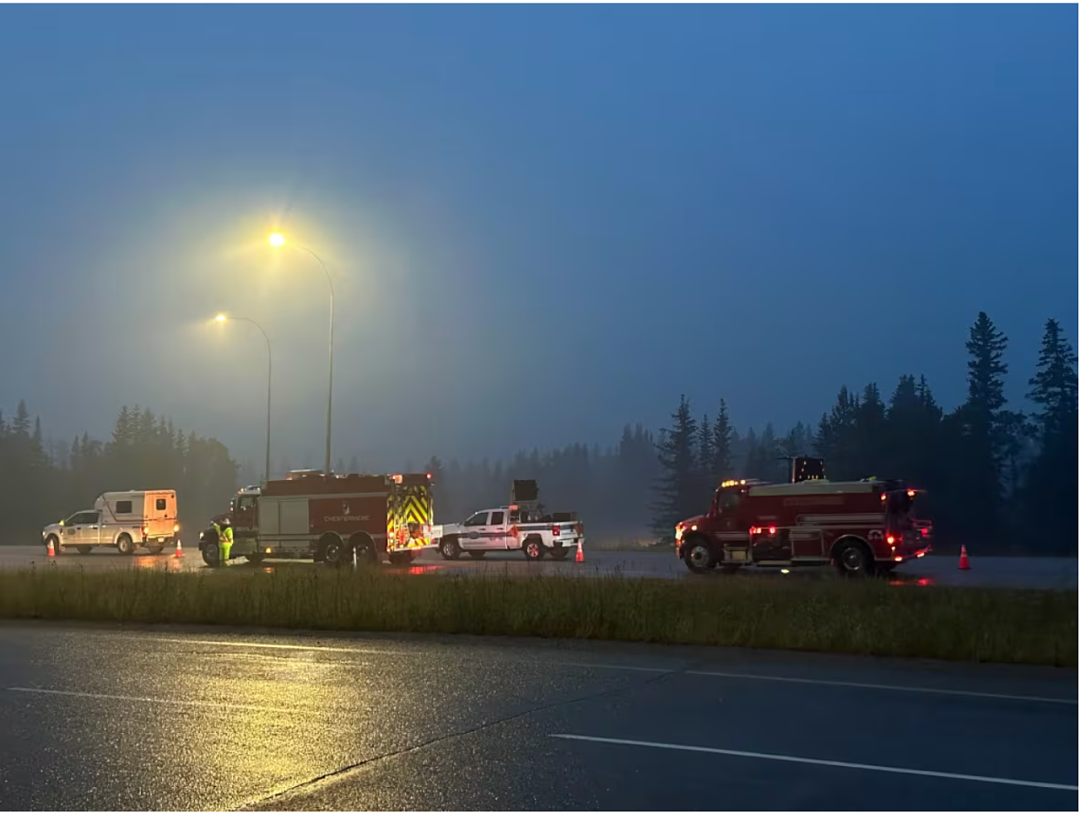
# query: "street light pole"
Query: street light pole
269,377
277,240
330,391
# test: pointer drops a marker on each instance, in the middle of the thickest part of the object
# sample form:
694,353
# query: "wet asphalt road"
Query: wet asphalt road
181,719
1012,572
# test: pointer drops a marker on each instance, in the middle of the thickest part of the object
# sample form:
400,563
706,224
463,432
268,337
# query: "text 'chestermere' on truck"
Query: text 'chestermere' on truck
521,526
859,526
120,520
329,519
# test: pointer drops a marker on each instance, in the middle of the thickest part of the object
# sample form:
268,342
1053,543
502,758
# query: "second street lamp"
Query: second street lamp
277,240
221,319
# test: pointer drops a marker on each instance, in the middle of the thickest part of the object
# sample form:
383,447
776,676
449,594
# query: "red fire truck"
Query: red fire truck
309,516
859,526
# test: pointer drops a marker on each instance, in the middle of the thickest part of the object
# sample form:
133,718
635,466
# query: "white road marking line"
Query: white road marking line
145,700
271,646
605,666
600,666
369,651
815,762
888,687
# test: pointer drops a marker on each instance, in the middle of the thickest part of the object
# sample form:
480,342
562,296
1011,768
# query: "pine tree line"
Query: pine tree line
41,483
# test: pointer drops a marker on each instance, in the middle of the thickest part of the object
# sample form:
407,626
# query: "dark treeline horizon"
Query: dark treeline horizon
994,477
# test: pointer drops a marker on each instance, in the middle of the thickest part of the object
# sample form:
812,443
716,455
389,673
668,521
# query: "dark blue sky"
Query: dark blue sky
543,221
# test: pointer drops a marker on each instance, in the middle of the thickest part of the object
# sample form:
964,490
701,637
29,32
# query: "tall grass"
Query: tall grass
858,616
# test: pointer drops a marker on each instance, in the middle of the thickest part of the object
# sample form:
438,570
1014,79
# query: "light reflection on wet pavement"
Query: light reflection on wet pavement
935,569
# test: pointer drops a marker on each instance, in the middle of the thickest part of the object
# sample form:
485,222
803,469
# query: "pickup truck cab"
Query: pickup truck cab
509,528
84,530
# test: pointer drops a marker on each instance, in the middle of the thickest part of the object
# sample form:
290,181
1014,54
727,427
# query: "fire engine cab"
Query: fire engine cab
329,519
859,526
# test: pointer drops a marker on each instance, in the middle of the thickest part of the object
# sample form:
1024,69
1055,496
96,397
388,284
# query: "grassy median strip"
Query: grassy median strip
837,616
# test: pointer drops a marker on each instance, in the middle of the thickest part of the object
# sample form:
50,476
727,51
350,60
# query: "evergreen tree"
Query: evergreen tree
983,446
1054,385
1048,499
706,458
723,445
676,491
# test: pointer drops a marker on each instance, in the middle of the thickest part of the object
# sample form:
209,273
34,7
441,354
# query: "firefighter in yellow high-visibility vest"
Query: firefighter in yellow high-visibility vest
225,540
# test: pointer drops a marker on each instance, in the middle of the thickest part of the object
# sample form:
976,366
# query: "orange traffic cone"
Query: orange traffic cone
179,549
964,565
580,555
51,549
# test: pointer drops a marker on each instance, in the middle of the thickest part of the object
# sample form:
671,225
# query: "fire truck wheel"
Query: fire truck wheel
364,547
125,545
477,555
84,549
533,548
449,548
853,558
155,549
333,551
698,554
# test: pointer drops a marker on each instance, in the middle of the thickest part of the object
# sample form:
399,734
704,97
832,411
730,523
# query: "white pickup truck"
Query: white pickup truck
510,528
121,520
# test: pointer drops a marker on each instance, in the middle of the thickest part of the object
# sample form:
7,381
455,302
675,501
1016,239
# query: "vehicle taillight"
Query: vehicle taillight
890,539
772,529
144,531
175,527
555,530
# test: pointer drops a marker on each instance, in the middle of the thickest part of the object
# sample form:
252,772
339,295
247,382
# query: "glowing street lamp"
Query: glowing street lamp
221,319
277,240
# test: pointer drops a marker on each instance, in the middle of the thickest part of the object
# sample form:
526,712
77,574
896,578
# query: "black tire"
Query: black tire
211,554
400,558
533,548
334,551
697,553
155,549
125,545
560,553
477,555
449,548
853,558
84,549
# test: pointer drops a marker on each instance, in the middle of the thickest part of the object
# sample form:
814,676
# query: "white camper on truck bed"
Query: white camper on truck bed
123,520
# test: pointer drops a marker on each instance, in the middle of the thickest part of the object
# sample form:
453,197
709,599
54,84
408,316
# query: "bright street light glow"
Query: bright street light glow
277,240
220,318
